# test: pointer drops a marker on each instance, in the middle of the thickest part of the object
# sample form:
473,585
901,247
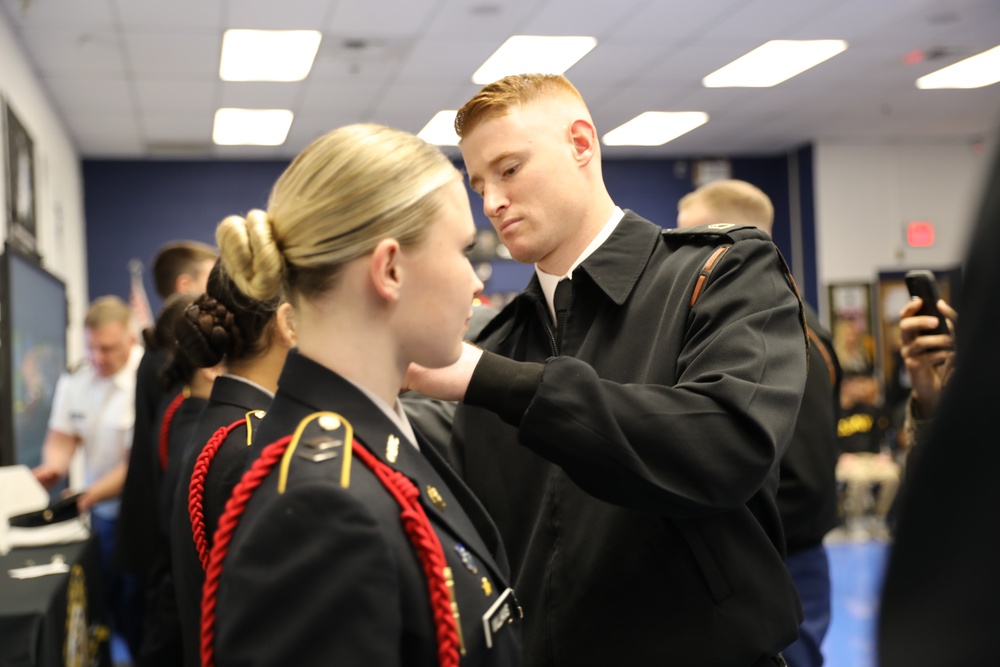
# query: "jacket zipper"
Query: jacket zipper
543,313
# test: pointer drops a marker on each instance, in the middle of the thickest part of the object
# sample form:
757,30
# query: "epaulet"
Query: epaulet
320,437
253,421
716,232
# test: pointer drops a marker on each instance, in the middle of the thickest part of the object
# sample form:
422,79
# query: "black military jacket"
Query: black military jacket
807,488
632,472
323,575
230,401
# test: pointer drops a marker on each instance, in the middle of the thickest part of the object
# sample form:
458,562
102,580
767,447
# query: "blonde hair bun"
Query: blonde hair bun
250,254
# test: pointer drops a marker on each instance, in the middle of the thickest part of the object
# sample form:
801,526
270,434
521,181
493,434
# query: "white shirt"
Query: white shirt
549,281
395,413
240,378
100,411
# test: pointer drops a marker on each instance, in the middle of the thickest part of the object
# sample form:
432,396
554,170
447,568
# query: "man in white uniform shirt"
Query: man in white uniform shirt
94,408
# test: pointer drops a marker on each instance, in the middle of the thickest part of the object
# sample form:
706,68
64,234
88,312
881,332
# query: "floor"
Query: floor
856,569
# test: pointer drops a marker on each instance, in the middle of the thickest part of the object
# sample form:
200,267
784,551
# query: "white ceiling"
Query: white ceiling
139,78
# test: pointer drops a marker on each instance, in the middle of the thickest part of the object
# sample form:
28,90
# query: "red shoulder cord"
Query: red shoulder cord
415,523
168,418
196,490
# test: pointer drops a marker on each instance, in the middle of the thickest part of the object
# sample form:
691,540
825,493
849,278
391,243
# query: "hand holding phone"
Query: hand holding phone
921,283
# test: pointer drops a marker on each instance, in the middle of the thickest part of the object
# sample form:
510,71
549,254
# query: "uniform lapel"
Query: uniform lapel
374,430
442,505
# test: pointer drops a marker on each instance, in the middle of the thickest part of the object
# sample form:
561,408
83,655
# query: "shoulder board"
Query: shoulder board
320,437
253,421
723,231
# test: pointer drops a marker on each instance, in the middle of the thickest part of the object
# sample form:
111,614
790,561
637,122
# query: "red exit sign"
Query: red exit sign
920,234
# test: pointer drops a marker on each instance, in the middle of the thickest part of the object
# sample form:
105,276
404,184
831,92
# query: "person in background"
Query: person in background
93,411
624,418
179,413
807,488
349,540
179,267
250,339
929,361
940,597
866,459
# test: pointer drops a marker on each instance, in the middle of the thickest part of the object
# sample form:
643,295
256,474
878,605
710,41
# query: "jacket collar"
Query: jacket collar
232,391
373,429
616,265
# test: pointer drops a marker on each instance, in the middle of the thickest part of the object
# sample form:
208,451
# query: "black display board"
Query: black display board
33,325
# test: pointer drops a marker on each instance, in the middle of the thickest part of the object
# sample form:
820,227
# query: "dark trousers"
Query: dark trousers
125,593
810,570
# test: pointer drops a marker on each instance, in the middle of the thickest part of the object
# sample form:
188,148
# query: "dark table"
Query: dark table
56,619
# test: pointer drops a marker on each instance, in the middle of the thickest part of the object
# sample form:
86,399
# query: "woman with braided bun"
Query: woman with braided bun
250,339
186,389
349,541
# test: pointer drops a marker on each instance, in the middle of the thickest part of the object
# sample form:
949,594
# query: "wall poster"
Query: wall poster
21,184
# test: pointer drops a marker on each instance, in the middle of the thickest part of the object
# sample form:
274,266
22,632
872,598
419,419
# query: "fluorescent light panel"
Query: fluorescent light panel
774,62
538,54
268,55
655,128
980,70
440,130
251,127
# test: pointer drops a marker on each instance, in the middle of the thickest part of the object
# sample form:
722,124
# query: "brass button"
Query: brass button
328,423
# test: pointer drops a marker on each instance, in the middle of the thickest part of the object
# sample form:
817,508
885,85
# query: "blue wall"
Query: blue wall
133,207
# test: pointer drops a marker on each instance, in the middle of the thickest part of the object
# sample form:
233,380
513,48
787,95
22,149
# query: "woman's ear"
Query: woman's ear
385,270
285,325
213,372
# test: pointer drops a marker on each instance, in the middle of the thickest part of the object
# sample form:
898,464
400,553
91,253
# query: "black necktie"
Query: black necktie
561,301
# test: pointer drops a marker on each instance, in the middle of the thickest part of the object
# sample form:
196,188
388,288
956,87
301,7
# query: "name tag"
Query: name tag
502,613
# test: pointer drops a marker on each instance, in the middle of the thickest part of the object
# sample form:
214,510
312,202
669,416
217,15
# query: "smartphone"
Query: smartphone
921,282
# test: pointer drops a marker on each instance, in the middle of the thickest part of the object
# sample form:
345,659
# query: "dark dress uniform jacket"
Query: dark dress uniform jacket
139,540
807,490
230,401
322,575
161,639
632,472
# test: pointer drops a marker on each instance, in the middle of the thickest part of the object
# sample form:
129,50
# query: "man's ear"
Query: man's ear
385,269
584,137
185,283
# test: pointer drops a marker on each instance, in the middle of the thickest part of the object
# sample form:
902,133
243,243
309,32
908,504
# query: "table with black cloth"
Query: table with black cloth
52,619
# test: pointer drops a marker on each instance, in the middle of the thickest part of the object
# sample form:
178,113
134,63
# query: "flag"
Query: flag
142,313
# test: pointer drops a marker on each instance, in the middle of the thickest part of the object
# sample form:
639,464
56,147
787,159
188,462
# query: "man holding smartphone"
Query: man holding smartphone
929,359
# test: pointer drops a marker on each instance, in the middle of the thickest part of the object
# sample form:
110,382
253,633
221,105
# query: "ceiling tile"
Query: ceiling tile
79,15
257,95
60,52
158,96
88,94
155,54
160,15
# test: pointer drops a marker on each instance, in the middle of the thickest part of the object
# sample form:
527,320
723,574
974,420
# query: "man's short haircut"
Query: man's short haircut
176,259
107,310
498,98
733,201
